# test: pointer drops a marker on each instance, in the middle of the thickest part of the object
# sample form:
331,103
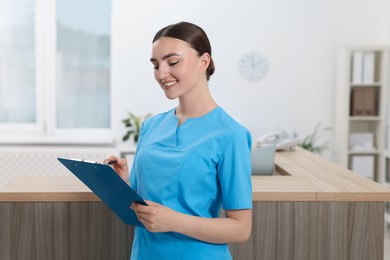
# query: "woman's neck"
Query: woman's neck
195,106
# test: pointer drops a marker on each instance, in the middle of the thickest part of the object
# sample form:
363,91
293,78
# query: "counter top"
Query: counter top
302,176
330,181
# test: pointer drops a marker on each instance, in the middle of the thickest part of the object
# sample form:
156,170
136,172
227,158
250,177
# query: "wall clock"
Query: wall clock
253,66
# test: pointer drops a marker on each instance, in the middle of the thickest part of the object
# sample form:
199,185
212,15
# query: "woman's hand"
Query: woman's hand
155,217
234,228
120,166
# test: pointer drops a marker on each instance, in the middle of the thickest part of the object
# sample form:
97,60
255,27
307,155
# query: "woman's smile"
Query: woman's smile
169,84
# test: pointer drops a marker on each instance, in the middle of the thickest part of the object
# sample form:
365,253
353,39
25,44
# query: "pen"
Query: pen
111,162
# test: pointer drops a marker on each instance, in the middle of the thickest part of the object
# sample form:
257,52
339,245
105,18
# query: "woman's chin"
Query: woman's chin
170,96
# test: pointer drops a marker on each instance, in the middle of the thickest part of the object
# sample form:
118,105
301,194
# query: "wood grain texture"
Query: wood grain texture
43,230
331,181
315,230
281,230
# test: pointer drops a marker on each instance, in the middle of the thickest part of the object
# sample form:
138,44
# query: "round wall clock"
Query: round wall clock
253,66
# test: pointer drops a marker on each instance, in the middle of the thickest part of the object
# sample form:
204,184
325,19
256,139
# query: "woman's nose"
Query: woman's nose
162,72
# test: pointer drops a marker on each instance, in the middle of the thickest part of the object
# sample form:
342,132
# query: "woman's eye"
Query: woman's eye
155,67
173,63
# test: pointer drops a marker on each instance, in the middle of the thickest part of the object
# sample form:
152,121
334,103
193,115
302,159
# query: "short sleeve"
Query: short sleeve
234,172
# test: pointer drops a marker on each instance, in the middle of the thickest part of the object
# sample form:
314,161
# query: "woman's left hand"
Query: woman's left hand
155,217
235,227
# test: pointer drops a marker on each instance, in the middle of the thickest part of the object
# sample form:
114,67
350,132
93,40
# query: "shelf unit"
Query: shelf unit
361,111
352,125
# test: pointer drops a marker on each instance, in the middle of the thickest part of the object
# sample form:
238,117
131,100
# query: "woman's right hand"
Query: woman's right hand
120,166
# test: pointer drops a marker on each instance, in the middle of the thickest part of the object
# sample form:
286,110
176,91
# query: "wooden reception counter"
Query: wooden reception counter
310,209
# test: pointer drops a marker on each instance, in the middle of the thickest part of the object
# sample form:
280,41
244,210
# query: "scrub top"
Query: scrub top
194,168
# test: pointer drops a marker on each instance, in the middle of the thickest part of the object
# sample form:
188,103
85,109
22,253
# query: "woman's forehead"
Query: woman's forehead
167,45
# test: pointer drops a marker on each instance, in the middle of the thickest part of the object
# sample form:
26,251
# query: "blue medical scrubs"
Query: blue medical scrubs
194,168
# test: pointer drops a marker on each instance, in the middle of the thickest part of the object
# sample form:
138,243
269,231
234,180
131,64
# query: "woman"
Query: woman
189,160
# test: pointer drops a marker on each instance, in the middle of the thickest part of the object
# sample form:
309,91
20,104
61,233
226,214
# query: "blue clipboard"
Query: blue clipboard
108,186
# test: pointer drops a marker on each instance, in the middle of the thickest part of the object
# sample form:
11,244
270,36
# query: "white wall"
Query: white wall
300,39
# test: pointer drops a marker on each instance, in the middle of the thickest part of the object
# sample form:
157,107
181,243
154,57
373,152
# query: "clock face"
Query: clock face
253,66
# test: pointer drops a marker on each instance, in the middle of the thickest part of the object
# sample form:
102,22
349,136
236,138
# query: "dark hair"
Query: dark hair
191,34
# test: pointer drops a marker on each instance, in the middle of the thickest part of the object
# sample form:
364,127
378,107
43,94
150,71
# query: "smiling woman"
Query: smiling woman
190,161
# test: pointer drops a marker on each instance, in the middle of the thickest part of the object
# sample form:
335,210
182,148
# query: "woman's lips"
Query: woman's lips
170,84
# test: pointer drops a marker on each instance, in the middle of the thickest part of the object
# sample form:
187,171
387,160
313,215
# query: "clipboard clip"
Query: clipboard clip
82,160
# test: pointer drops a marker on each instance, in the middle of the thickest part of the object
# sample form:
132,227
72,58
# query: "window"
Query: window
83,63
17,62
55,71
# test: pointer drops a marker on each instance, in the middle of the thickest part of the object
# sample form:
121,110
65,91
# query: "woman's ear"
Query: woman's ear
204,61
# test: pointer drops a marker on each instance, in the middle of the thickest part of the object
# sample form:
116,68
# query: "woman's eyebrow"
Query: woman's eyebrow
165,56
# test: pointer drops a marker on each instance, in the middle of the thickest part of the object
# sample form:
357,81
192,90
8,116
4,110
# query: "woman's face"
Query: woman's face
177,66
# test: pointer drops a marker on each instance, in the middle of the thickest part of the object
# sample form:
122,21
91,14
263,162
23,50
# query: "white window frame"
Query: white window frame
44,130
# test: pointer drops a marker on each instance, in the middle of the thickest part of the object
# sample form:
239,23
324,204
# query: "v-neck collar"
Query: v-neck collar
189,119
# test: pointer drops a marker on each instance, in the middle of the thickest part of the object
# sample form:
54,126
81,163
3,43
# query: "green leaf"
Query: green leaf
126,136
134,123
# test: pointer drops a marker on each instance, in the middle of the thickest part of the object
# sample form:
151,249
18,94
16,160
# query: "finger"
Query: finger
146,218
143,217
139,208
151,203
120,163
110,159
140,218
135,206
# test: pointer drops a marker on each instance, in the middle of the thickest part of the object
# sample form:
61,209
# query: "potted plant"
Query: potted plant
133,123
310,141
